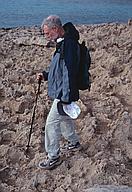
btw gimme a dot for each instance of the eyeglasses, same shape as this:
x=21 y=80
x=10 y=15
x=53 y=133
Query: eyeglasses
x=47 y=31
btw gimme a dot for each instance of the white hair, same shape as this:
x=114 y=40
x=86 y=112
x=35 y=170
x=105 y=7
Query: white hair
x=52 y=21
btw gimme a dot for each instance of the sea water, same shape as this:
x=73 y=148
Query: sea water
x=15 y=13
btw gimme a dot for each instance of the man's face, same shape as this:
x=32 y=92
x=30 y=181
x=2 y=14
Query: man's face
x=50 y=34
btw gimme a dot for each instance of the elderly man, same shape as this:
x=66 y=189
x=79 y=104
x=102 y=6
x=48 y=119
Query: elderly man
x=62 y=88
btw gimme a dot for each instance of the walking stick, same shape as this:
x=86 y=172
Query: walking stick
x=33 y=115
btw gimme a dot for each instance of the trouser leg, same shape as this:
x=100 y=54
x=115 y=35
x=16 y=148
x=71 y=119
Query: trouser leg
x=53 y=132
x=68 y=130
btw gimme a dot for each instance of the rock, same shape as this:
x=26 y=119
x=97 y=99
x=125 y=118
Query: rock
x=4 y=173
x=109 y=188
x=59 y=189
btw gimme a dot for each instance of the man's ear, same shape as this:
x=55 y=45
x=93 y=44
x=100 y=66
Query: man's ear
x=55 y=29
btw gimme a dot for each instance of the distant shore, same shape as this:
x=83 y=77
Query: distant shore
x=129 y=22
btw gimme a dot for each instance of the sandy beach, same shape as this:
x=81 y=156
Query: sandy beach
x=104 y=126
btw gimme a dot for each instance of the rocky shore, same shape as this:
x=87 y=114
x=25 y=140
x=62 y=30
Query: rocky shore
x=104 y=126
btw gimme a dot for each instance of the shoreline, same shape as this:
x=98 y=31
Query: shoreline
x=94 y=24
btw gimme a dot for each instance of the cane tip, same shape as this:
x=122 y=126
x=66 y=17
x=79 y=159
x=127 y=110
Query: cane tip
x=27 y=149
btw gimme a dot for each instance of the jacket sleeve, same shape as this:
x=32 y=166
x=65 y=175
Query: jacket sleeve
x=70 y=69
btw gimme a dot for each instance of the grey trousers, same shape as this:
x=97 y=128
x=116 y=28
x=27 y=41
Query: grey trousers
x=57 y=125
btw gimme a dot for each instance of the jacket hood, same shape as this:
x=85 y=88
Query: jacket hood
x=71 y=31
